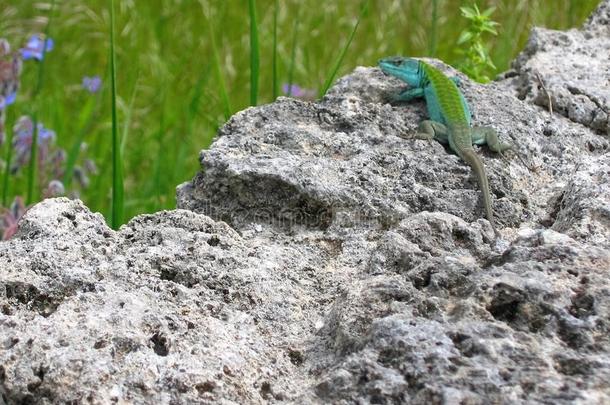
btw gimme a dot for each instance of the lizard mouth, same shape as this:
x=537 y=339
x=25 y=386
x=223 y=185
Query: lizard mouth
x=389 y=65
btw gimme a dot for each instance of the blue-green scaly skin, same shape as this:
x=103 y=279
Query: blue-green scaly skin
x=447 y=106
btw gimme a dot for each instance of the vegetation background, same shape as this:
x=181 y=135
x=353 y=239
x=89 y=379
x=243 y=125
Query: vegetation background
x=170 y=80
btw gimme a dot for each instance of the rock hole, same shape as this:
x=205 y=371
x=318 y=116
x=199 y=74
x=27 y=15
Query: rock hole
x=583 y=305
x=265 y=390
x=296 y=357
x=213 y=241
x=39 y=372
x=506 y=303
x=205 y=387
x=168 y=274
x=161 y=344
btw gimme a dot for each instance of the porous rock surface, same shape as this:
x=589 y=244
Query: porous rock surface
x=322 y=256
x=569 y=72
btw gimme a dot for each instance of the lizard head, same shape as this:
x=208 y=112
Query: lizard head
x=406 y=69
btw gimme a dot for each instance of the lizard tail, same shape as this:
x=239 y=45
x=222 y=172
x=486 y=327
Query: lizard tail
x=473 y=160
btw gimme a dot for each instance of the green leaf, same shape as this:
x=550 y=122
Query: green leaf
x=489 y=29
x=465 y=36
x=468 y=12
x=489 y=11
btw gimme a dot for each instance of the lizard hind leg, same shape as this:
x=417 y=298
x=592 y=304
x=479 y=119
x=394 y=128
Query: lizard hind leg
x=489 y=136
x=432 y=130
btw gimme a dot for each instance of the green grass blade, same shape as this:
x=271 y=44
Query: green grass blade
x=117 y=163
x=433 y=29
x=127 y=118
x=293 y=50
x=8 y=159
x=254 y=53
x=331 y=77
x=33 y=160
x=34 y=148
x=191 y=114
x=224 y=94
x=84 y=123
x=275 y=93
x=155 y=186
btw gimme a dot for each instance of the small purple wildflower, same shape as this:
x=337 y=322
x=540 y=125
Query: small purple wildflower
x=294 y=90
x=81 y=177
x=5 y=47
x=92 y=84
x=10 y=98
x=11 y=217
x=90 y=166
x=56 y=163
x=10 y=70
x=55 y=189
x=34 y=48
x=22 y=142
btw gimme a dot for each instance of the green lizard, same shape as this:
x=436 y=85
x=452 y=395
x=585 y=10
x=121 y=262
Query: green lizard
x=449 y=116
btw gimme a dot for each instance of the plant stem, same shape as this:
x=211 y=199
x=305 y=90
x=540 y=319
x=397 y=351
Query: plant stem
x=117 y=167
x=37 y=89
x=254 y=53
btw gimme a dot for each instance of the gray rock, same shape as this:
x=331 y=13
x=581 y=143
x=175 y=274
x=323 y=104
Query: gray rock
x=324 y=256
x=569 y=71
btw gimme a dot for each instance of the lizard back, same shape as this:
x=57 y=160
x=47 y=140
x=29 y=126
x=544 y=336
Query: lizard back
x=447 y=96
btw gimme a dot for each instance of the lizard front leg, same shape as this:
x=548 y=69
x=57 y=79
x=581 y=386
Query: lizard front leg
x=409 y=94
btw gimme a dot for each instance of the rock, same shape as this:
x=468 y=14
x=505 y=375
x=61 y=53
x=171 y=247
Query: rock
x=322 y=256
x=569 y=71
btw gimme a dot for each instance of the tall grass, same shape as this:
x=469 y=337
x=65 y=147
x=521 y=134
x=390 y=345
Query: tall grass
x=274 y=73
x=433 y=29
x=8 y=157
x=184 y=68
x=293 y=50
x=39 y=83
x=218 y=67
x=254 y=53
x=343 y=52
x=117 y=161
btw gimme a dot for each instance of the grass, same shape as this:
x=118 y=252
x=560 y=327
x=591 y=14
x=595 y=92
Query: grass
x=331 y=78
x=254 y=53
x=117 y=162
x=38 y=86
x=183 y=67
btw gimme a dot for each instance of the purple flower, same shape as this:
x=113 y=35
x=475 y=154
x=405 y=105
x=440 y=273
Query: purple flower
x=55 y=189
x=34 y=49
x=10 y=69
x=11 y=217
x=297 y=91
x=10 y=99
x=45 y=135
x=92 y=84
x=22 y=141
x=5 y=47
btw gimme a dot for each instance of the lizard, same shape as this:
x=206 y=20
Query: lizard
x=450 y=118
